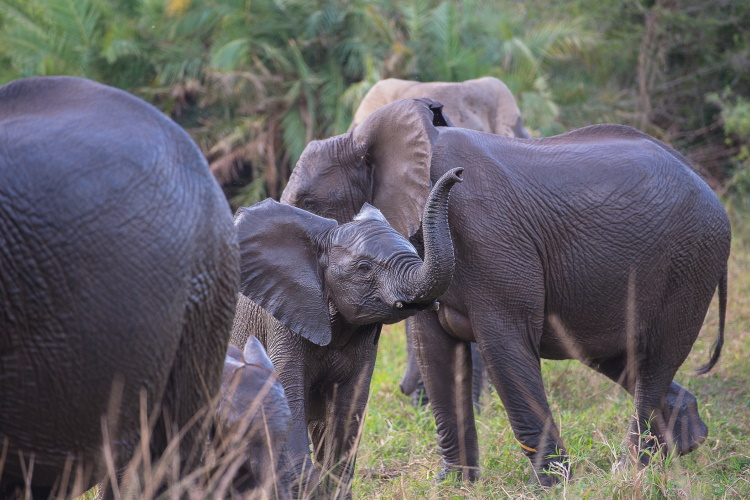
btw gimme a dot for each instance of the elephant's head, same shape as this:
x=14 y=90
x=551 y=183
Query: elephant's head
x=310 y=272
x=253 y=415
x=384 y=161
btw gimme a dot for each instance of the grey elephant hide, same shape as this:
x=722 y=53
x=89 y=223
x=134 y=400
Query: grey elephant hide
x=119 y=273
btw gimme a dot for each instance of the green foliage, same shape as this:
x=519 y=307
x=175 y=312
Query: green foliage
x=736 y=117
x=254 y=82
x=60 y=36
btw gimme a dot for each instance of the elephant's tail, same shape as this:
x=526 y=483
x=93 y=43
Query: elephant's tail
x=716 y=350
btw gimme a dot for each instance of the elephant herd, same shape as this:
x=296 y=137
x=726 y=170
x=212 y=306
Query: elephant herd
x=148 y=339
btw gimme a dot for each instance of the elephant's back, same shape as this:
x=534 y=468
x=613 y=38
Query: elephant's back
x=598 y=164
x=110 y=227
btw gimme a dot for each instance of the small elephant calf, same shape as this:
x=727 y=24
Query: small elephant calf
x=316 y=294
x=253 y=423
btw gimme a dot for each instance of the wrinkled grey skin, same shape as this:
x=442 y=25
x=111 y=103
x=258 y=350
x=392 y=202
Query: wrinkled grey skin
x=319 y=294
x=119 y=275
x=601 y=245
x=485 y=104
x=253 y=414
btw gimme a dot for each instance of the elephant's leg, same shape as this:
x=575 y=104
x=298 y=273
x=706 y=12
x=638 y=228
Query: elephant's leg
x=301 y=472
x=668 y=342
x=446 y=368
x=661 y=403
x=333 y=456
x=411 y=383
x=335 y=439
x=515 y=370
x=479 y=376
x=680 y=409
x=647 y=429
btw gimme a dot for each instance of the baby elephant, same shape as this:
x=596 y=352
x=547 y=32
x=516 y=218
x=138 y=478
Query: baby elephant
x=316 y=294
x=253 y=423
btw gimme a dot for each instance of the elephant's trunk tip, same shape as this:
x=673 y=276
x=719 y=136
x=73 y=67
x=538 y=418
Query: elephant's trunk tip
x=456 y=173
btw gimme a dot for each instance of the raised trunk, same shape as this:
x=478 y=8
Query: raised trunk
x=432 y=278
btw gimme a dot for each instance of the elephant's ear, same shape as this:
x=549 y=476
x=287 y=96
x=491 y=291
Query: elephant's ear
x=279 y=267
x=255 y=354
x=398 y=140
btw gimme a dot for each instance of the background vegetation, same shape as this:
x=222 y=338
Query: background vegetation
x=254 y=81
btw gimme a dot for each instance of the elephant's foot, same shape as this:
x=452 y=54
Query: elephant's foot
x=555 y=471
x=680 y=430
x=457 y=473
x=640 y=450
x=685 y=430
x=547 y=479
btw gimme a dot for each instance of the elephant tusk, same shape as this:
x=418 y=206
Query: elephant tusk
x=435 y=306
x=399 y=304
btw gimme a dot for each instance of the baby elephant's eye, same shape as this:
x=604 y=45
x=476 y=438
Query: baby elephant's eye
x=364 y=267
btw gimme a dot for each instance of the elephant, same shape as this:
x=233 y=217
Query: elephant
x=318 y=294
x=120 y=269
x=485 y=104
x=601 y=245
x=253 y=421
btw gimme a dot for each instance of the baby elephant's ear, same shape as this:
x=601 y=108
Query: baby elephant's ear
x=255 y=354
x=279 y=267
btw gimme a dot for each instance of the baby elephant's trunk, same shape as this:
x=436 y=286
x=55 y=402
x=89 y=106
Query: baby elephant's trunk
x=432 y=278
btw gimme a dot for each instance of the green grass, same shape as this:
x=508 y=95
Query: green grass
x=398 y=455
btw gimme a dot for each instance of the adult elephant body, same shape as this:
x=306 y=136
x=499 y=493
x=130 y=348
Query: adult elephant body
x=601 y=245
x=119 y=273
x=485 y=104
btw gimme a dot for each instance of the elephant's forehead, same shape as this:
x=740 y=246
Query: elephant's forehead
x=319 y=157
x=375 y=241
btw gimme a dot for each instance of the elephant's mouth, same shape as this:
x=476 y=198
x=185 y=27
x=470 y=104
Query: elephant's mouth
x=416 y=306
x=402 y=310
